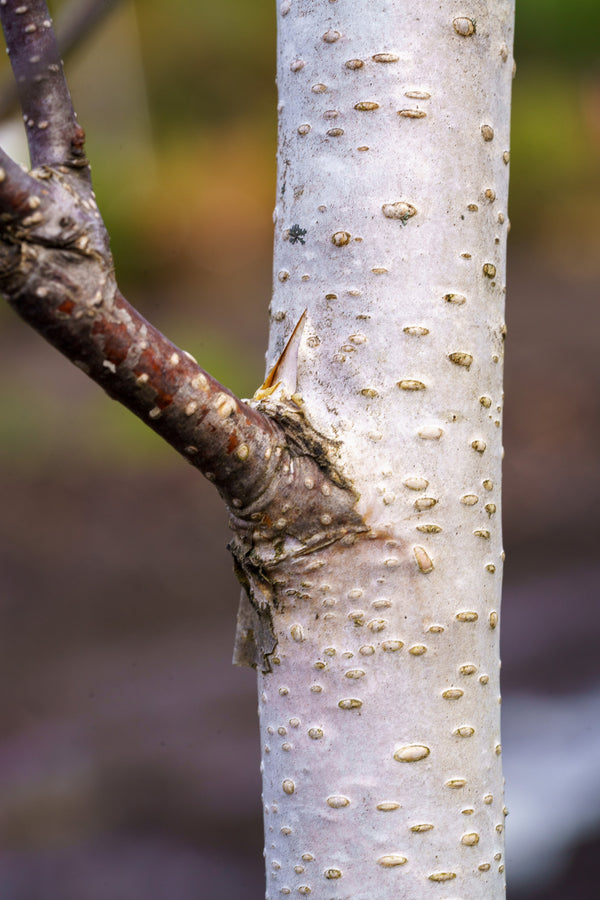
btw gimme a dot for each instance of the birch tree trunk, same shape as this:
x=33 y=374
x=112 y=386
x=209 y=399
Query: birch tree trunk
x=380 y=718
x=363 y=478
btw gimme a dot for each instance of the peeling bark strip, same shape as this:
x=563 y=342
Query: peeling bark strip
x=363 y=478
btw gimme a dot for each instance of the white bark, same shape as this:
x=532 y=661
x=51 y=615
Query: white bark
x=380 y=719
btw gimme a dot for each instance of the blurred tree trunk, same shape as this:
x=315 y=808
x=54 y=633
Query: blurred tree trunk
x=380 y=706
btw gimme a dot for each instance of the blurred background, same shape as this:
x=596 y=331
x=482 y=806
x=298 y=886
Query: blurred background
x=128 y=744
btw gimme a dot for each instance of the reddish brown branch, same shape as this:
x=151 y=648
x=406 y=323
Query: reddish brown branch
x=56 y=271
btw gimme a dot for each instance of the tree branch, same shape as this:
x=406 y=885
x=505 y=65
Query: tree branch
x=56 y=270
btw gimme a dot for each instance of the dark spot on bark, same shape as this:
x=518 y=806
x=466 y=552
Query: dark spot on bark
x=296 y=234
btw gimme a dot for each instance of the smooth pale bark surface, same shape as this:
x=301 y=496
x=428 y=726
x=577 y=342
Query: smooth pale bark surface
x=380 y=717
